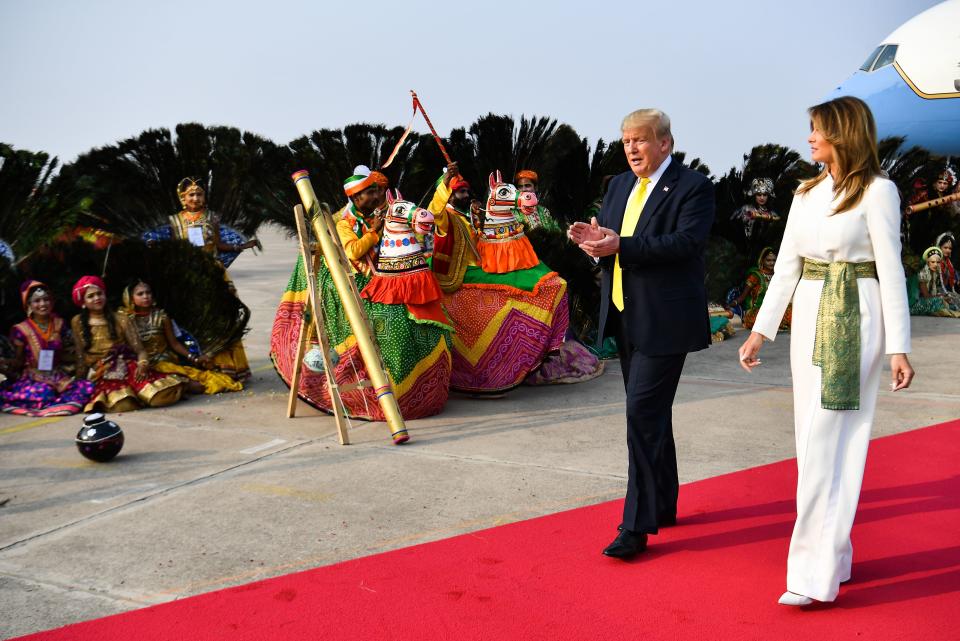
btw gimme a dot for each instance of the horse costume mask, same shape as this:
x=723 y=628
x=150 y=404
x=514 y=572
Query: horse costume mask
x=403 y=275
x=502 y=245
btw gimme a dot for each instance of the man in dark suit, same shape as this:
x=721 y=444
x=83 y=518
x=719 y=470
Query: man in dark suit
x=650 y=239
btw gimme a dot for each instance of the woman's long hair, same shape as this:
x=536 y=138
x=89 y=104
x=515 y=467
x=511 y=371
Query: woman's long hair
x=848 y=125
x=85 y=325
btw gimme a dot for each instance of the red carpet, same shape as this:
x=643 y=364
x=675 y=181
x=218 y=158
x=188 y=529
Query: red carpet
x=715 y=576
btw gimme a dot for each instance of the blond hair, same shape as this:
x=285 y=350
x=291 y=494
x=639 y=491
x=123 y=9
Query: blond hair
x=848 y=125
x=653 y=118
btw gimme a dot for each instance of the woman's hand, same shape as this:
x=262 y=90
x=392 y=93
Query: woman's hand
x=141 y=373
x=749 y=351
x=901 y=371
x=204 y=361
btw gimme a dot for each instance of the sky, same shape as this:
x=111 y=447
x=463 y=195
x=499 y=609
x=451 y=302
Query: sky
x=731 y=75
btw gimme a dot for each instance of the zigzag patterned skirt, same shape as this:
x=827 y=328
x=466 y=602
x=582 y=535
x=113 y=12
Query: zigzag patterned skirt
x=505 y=324
x=416 y=353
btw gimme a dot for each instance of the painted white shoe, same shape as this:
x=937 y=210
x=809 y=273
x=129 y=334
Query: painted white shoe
x=789 y=598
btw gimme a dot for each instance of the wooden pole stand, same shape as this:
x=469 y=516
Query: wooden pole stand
x=313 y=309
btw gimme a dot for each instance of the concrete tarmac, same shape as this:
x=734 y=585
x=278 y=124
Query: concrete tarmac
x=220 y=491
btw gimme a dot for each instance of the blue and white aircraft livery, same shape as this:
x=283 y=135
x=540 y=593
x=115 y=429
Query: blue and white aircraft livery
x=912 y=81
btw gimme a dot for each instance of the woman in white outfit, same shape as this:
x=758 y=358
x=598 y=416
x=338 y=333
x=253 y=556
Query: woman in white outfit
x=840 y=264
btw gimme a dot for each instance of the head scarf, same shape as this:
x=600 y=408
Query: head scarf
x=458 y=182
x=128 y=305
x=27 y=288
x=944 y=237
x=83 y=284
x=930 y=251
x=763 y=254
x=527 y=173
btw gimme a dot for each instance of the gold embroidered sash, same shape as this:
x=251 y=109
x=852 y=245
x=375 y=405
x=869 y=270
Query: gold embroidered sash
x=836 y=347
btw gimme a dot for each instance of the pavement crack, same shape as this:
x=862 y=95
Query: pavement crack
x=159 y=493
x=125 y=601
x=411 y=451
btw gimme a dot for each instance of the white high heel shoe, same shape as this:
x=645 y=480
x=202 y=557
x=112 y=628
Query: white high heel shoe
x=790 y=598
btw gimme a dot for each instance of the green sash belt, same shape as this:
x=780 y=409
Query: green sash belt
x=836 y=347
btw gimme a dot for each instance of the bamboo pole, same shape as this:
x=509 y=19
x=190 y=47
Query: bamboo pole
x=308 y=330
x=350 y=299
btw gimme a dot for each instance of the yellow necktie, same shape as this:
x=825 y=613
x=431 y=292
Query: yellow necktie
x=630 y=218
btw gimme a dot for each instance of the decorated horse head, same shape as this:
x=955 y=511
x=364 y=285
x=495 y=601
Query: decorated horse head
x=499 y=221
x=402 y=275
x=400 y=250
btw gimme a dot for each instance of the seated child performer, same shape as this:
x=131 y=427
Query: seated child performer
x=42 y=387
x=111 y=355
x=163 y=349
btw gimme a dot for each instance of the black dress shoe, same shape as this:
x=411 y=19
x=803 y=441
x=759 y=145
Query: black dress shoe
x=627 y=545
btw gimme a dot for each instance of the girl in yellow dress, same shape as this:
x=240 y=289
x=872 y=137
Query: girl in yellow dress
x=163 y=349
x=111 y=355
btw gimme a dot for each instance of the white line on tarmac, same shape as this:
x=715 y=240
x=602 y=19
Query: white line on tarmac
x=263 y=446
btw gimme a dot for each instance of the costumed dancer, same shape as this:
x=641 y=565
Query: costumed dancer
x=164 y=350
x=43 y=387
x=401 y=299
x=755 y=287
x=527 y=181
x=201 y=228
x=573 y=362
x=762 y=191
x=509 y=310
x=454 y=238
x=925 y=289
x=109 y=351
x=923 y=224
x=948 y=273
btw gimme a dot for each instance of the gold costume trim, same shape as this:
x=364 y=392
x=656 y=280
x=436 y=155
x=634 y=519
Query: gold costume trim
x=837 y=342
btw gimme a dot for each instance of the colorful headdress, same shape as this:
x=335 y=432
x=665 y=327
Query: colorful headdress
x=27 y=288
x=83 y=284
x=930 y=251
x=357 y=183
x=186 y=185
x=949 y=175
x=944 y=237
x=458 y=182
x=761 y=186
x=528 y=174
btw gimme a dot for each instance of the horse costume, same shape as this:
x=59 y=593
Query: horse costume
x=402 y=301
x=511 y=310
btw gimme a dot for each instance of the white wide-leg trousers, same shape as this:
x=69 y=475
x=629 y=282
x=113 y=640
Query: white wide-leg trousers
x=831 y=447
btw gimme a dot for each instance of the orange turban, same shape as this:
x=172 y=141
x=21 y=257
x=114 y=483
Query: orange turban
x=458 y=182
x=527 y=173
x=380 y=179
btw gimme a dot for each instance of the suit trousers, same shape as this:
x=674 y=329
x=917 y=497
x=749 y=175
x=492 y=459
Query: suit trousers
x=652 y=482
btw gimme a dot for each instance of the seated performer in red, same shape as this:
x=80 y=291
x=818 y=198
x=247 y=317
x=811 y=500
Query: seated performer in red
x=42 y=387
x=111 y=355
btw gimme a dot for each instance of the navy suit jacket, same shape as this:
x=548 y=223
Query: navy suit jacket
x=665 y=298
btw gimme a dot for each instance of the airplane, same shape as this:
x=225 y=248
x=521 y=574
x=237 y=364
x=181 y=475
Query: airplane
x=912 y=81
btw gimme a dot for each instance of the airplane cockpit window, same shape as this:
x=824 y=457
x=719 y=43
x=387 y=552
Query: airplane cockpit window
x=871 y=58
x=886 y=57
